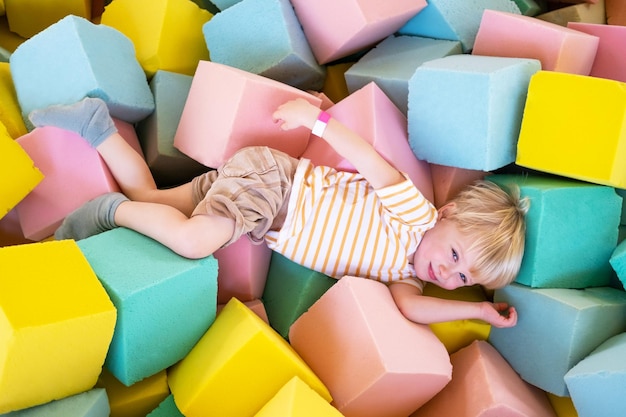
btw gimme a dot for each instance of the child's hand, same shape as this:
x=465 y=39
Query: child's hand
x=499 y=314
x=296 y=113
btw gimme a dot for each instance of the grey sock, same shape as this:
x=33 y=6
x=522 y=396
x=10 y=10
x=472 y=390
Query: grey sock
x=93 y=217
x=89 y=118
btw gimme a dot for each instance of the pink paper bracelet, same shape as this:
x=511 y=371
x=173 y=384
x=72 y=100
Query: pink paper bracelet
x=320 y=124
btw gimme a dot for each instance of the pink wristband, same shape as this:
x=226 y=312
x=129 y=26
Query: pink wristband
x=320 y=124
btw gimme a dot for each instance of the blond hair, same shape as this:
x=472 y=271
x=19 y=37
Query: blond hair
x=494 y=221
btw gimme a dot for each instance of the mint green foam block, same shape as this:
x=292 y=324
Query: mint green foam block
x=92 y=403
x=466 y=111
x=165 y=302
x=618 y=262
x=556 y=329
x=571 y=231
x=597 y=384
x=167 y=408
x=290 y=289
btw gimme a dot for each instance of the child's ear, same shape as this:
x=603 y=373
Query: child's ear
x=445 y=210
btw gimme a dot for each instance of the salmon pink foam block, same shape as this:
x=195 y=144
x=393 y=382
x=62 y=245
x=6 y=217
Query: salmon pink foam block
x=165 y=302
x=557 y=47
x=395 y=366
x=465 y=110
x=610 y=59
x=338 y=29
x=503 y=393
x=228 y=109
x=75 y=58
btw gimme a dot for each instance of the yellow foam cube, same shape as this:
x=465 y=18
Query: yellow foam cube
x=10 y=113
x=9 y=41
x=575 y=126
x=56 y=324
x=335 y=87
x=29 y=17
x=237 y=367
x=138 y=399
x=297 y=399
x=563 y=406
x=458 y=334
x=161 y=41
x=18 y=174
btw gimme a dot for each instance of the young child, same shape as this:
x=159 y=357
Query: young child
x=375 y=224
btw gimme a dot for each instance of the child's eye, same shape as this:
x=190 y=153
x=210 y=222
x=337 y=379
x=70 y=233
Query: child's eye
x=455 y=255
x=463 y=278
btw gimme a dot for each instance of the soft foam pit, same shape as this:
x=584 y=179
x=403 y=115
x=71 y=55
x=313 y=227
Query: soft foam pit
x=371 y=114
x=240 y=353
x=502 y=393
x=56 y=324
x=297 y=399
x=573 y=126
x=18 y=173
x=73 y=173
x=137 y=400
x=543 y=347
x=92 y=403
x=154 y=27
x=338 y=29
x=75 y=58
x=597 y=383
x=160 y=296
x=272 y=37
x=558 y=48
x=383 y=377
x=610 y=59
x=555 y=255
x=228 y=109
x=28 y=17
x=10 y=114
x=477 y=98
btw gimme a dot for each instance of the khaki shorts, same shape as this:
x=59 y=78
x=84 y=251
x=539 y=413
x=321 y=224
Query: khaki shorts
x=252 y=188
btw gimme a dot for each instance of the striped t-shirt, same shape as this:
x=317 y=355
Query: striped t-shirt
x=339 y=225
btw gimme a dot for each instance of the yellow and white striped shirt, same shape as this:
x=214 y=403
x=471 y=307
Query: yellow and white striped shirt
x=339 y=225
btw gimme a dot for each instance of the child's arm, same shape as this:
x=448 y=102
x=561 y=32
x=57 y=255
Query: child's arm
x=367 y=161
x=423 y=309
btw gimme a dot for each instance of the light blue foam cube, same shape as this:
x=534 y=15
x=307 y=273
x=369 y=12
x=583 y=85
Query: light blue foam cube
x=465 y=111
x=75 y=58
x=556 y=329
x=92 y=403
x=264 y=37
x=165 y=302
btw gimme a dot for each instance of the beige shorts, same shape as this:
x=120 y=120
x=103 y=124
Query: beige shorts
x=252 y=188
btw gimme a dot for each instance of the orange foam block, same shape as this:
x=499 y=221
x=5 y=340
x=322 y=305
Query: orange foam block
x=558 y=48
x=297 y=399
x=374 y=361
x=370 y=113
x=56 y=324
x=338 y=29
x=615 y=12
x=484 y=384
x=610 y=61
x=574 y=126
x=228 y=109
x=237 y=367
x=28 y=17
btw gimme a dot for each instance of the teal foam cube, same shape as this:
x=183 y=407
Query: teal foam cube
x=167 y=408
x=165 y=302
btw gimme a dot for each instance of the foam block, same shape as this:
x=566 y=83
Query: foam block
x=297 y=399
x=92 y=403
x=156 y=31
x=480 y=368
x=335 y=86
x=168 y=165
x=167 y=408
x=448 y=181
x=28 y=17
x=75 y=58
x=240 y=353
x=444 y=19
x=529 y=7
x=371 y=114
x=465 y=110
x=272 y=37
x=54 y=315
x=336 y=30
x=543 y=347
x=615 y=12
x=18 y=173
x=60 y=155
x=596 y=383
x=376 y=381
x=618 y=261
x=392 y=63
x=11 y=231
x=137 y=400
x=610 y=59
x=160 y=296
x=561 y=211
x=256 y=306
x=562 y=112
x=290 y=290
x=583 y=12
x=228 y=109
x=557 y=47
x=10 y=116
x=563 y=406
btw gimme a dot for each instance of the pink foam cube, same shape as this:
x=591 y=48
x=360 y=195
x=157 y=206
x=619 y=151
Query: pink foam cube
x=372 y=359
x=610 y=61
x=338 y=29
x=370 y=113
x=557 y=47
x=228 y=109
x=448 y=181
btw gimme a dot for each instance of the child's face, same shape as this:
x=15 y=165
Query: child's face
x=442 y=257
